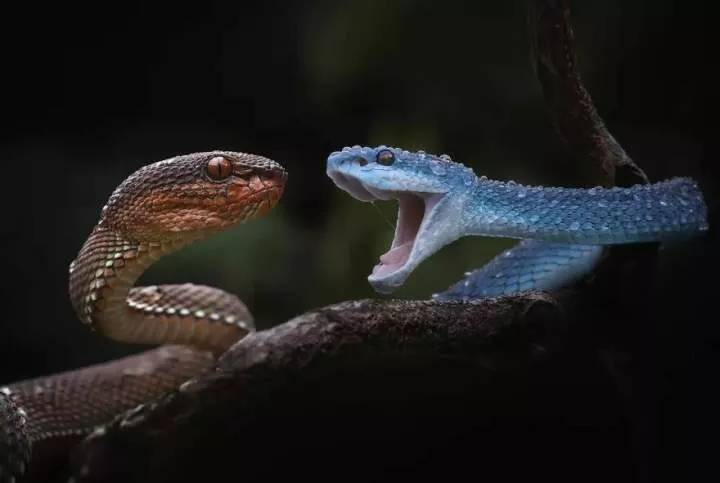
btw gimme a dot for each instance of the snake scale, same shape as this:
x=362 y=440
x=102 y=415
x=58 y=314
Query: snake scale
x=157 y=210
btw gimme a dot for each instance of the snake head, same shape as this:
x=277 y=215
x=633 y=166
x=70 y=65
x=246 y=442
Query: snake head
x=430 y=191
x=193 y=194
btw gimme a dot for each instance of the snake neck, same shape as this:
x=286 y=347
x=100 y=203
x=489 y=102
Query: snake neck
x=104 y=272
x=102 y=291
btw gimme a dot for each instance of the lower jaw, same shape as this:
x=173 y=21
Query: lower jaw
x=386 y=284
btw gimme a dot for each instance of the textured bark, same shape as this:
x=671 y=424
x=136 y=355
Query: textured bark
x=573 y=112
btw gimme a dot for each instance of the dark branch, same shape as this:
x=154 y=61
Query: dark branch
x=332 y=377
x=572 y=109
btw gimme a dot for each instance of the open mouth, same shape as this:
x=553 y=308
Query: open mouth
x=412 y=210
x=411 y=213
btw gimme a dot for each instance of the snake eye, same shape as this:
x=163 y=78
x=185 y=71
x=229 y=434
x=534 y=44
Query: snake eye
x=219 y=168
x=385 y=157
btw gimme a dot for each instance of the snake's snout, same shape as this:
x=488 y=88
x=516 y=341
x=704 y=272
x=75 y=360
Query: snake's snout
x=254 y=192
x=271 y=183
x=265 y=176
x=278 y=175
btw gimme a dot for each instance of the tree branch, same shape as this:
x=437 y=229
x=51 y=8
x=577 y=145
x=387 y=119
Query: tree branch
x=574 y=115
x=318 y=379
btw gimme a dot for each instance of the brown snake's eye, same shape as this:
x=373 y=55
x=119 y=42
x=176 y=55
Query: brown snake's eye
x=385 y=157
x=219 y=168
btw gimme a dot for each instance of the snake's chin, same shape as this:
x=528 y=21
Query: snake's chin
x=414 y=209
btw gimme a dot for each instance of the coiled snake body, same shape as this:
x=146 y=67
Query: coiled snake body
x=157 y=210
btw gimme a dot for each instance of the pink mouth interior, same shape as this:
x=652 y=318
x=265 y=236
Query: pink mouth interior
x=412 y=208
x=411 y=212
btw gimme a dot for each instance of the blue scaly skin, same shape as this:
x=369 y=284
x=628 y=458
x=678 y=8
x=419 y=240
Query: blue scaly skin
x=563 y=230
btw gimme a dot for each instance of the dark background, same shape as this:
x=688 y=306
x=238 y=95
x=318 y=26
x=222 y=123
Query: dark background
x=92 y=93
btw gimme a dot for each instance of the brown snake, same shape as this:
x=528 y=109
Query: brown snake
x=159 y=209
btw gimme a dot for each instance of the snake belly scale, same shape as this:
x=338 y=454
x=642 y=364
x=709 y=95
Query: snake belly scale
x=157 y=210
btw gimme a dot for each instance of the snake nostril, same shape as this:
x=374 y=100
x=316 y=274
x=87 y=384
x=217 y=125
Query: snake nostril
x=362 y=161
x=276 y=175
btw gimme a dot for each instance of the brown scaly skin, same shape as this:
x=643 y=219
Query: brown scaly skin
x=157 y=210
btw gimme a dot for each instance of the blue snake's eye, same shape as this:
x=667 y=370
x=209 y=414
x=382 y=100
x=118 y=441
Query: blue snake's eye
x=385 y=157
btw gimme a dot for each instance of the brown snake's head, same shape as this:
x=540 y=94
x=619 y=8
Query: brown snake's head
x=193 y=194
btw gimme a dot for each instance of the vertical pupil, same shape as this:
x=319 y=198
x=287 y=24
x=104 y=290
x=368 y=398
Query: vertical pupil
x=219 y=168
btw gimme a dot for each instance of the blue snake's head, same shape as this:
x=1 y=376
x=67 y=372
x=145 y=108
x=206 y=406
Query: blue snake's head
x=431 y=192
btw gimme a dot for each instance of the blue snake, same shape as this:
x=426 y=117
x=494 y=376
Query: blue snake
x=562 y=230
